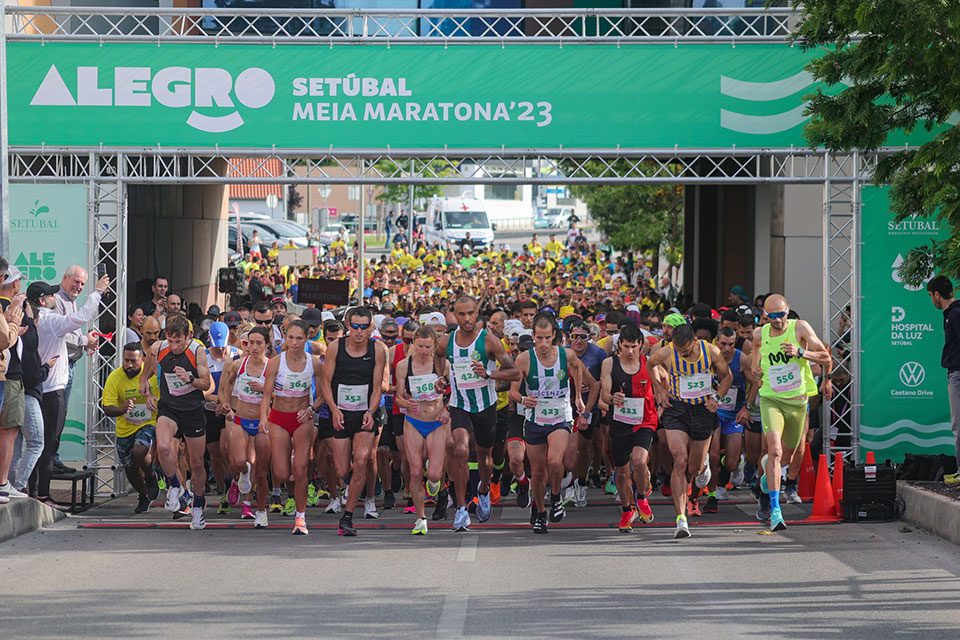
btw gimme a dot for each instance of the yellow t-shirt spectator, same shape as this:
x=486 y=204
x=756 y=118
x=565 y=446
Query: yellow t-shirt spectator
x=118 y=389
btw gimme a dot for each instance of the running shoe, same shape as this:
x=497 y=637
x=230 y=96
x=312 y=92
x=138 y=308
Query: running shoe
x=276 y=505
x=704 y=478
x=246 y=512
x=433 y=488
x=461 y=520
x=322 y=492
x=627 y=518
x=722 y=493
x=951 y=479
x=370 y=508
x=683 y=530
x=300 y=527
x=143 y=505
x=597 y=480
x=389 y=500
x=763 y=507
x=693 y=508
x=186 y=504
x=396 y=479
x=556 y=511
x=334 y=506
x=611 y=487
x=711 y=506
x=665 y=489
x=506 y=484
x=198 y=522
x=290 y=507
x=570 y=494
x=494 y=493
x=173 y=499
x=523 y=495
x=776 y=520
x=736 y=478
x=420 y=527
x=153 y=487
x=790 y=494
x=346 y=528
x=233 y=493
x=644 y=511
x=245 y=486
x=440 y=510
x=224 y=507
x=313 y=498
x=483 y=507
x=540 y=522
x=581 y=492
x=260 y=521
x=161 y=483
x=472 y=505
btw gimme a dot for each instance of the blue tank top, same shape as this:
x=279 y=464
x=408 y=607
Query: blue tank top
x=592 y=359
x=739 y=385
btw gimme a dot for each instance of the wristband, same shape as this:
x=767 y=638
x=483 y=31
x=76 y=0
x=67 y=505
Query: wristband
x=800 y=352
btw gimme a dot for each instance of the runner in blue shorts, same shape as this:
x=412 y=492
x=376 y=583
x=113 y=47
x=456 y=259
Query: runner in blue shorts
x=731 y=431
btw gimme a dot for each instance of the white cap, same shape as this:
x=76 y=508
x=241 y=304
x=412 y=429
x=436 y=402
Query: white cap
x=327 y=315
x=377 y=319
x=512 y=327
x=435 y=318
x=13 y=274
x=633 y=307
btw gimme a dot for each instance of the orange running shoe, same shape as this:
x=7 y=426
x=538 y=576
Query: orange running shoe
x=494 y=493
x=693 y=508
x=644 y=510
x=626 y=520
x=300 y=527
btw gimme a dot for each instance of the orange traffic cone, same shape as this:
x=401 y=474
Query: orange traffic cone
x=808 y=477
x=824 y=505
x=870 y=458
x=838 y=483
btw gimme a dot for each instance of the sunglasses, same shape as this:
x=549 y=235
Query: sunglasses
x=579 y=336
x=360 y=327
x=391 y=338
x=776 y=315
x=264 y=321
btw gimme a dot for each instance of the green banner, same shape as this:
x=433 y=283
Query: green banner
x=904 y=389
x=295 y=96
x=48 y=233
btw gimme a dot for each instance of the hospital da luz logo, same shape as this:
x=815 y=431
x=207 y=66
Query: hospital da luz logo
x=200 y=88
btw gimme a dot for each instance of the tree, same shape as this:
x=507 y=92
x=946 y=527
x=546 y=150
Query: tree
x=400 y=193
x=901 y=75
x=294 y=200
x=638 y=216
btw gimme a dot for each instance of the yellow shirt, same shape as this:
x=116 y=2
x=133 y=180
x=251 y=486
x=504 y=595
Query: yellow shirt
x=503 y=399
x=337 y=244
x=554 y=247
x=536 y=249
x=117 y=390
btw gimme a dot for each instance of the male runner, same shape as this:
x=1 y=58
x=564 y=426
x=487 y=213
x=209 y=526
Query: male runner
x=219 y=354
x=730 y=438
x=784 y=350
x=351 y=386
x=182 y=372
x=690 y=404
x=473 y=354
x=592 y=357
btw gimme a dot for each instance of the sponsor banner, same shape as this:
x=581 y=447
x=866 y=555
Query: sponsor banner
x=904 y=389
x=48 y=233
x=482 y=96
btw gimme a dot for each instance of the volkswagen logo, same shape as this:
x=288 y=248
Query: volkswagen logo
x=912 y=374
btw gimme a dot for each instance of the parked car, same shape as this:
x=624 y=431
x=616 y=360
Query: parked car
x=351 y=221
x=285 y=230
x=267 y=238
x=558 y=218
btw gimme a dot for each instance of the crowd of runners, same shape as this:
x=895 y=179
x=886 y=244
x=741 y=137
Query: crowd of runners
x=465 y=381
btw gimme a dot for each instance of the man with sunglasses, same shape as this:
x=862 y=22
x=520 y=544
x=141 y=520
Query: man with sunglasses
x=592 y=358
x=784 y=350
x=395 y=354
x=388 y=450
x=352 y=386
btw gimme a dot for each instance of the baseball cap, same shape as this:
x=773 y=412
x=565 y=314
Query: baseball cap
x=214 y=310
x=434 y=318
x=565 y=311
x=674 y=320
x=218 y=334
x=512 y=327
x=312 y=316
x=13 y=274
x=36 y=290
x=633 y=307
x=525 y=342
x=277 y=300
x=232 y=319
x=739 y=291
x=327 y=315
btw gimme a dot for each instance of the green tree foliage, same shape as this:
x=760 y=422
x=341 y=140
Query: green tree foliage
x=400 y=193
x=903 y=73
x=640 y=217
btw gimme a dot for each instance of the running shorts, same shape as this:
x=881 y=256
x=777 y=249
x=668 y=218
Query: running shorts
x=692 y=419
x=623 y=439
x=482 y=425
x=191 y=423
x=786 y=417
x=535 y=434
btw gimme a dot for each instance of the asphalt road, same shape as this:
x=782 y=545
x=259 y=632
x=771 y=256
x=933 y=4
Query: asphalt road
x=584 y=580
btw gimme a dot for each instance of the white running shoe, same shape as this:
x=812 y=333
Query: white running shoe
x=334 y=506
x=721 y=493
x=581 y=495
x=245 y=485
x=736 y=478
x=260 y=520
x=370 y=508
x=683 y=531
x=570 y=495
x=704 y=478
x=198 y=522
x=173 y=499
x=420 y=527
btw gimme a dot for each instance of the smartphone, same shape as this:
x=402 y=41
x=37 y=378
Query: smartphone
x=101 y=270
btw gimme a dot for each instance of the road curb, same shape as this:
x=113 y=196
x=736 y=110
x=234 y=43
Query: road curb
x=23 y=515
x=931 y=511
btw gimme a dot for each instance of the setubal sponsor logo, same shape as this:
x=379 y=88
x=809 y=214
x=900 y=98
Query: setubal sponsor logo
x=173 y=87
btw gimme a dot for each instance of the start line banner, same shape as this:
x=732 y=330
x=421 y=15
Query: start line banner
x=410 y=96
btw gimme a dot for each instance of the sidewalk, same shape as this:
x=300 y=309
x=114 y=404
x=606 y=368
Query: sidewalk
x=929 y=510
x=23 y=515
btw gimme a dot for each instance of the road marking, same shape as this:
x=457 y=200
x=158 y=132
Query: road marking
x=453 y=616
x=468 y=549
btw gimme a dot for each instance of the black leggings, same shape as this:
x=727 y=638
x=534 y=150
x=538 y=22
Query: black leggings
x=53 y=406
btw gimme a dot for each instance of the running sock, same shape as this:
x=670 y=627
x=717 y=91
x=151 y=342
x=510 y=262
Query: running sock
x=276 y=492
x=348 y=514
x=554 y=498
x=627 y=508
x=497 y=472
x=523 y=479
x=173 y=481
x=774 y=499
x=474 y=475
x=711 y=494
x=299 y=514
x=387 y=492
x=199 y=501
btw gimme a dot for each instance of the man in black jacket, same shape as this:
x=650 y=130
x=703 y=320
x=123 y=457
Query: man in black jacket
x=941 y=294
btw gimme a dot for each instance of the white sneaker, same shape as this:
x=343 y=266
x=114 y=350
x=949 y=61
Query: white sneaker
x=581 y=496
x=420 y=527
x=736 y=478
x=4 y=498
x=245 y=485
x=260 y=520
x=567 y=480
x=11 y=492
x=370 y=508
x=173 y=499
x=334 y=506
x=704 y=478
x=198 y=522
x=721 y=493
x=569 y=495
x=683 y=530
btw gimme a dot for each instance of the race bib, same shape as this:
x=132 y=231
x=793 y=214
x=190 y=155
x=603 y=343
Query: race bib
x=729 y=401
x=465 y=377
x=785 y=378
x=176 y=386
x=696 y=386
x=630 y=412
x=549 y=410
x=353 y=397
x=138 y=414
x=424 y=387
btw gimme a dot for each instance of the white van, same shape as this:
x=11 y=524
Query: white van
x=449 y=220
